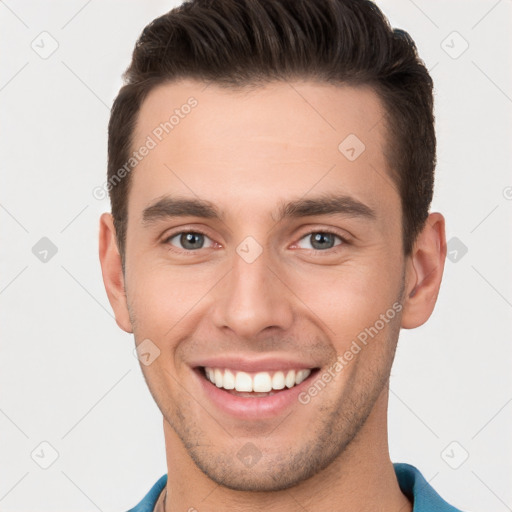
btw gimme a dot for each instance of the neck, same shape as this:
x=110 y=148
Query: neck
x=361 y=479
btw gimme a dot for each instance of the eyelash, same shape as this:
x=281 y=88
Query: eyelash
x=344 y=240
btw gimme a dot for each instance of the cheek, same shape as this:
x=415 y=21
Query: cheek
x=348 y=298
x=163 y=293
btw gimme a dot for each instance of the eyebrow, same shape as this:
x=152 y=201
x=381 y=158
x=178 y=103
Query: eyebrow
x=178 y=207
x=326 y=204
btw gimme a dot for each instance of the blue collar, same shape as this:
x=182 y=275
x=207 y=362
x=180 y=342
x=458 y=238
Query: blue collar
x=423 y=496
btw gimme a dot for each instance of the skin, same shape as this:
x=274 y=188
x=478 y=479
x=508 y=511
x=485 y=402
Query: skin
x=247 y=152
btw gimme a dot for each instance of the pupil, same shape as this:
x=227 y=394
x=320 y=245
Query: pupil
x=192 y=240
x=321 y=238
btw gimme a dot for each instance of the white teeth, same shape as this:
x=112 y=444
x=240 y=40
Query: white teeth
x=290 y=379
x=218 y=377
x=278 y=380
x=301 y=375
x=229 y=380
x=243 y=382
x=261 y=382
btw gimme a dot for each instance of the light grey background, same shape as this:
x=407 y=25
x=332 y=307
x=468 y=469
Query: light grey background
x=68 y=376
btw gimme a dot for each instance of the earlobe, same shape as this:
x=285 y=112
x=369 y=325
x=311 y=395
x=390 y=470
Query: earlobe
x=112 y=271
x=424 y=272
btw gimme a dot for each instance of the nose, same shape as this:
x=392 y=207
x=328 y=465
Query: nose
x=253 y=298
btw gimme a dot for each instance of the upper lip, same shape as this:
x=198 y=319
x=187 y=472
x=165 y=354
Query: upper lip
x=252 y=364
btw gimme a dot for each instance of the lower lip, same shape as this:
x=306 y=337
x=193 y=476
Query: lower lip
x=252 y=408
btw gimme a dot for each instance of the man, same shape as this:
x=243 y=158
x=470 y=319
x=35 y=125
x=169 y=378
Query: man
x=271 y=168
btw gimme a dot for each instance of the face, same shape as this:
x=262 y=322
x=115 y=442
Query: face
x=263 y=255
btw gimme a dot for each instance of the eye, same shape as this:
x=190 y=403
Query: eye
x=319 y=240
x=189 y=240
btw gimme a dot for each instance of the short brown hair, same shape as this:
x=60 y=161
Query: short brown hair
x=240 y=43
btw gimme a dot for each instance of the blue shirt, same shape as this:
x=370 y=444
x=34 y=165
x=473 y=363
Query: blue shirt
x=412 y=483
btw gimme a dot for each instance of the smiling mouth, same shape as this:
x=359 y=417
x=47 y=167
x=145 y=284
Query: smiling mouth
x=255 y=385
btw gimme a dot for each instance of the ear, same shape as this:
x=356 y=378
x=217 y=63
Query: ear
x=424 y=272
x=112 y=271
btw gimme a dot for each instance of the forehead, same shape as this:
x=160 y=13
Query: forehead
x=328 y=110
x=278 y=139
